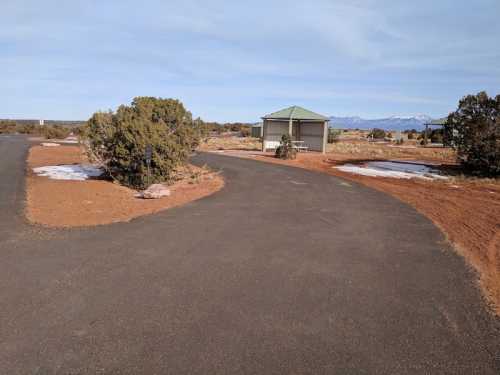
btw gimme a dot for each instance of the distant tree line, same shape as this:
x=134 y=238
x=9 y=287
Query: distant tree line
x=54 y=130
x=244 y=129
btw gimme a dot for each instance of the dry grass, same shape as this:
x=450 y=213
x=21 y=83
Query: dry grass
x=372 y=150
x=231 y=143
x=354 y=135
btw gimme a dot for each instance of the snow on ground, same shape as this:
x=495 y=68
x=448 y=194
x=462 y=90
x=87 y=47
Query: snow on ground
x=393 y=169
x=70 y=139
x=401 y=146
x=78 y=172
x=49 y=144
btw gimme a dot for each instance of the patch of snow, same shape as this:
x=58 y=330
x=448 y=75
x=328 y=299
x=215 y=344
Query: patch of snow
x=392 y=169
x=77 y=172
x=418 y=117
x=69 y=139
x=401 y=146
x=48 y=144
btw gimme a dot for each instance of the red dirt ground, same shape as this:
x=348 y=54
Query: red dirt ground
x=59 y=203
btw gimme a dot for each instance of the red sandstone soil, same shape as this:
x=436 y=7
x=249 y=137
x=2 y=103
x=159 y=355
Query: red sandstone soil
x=59 y=203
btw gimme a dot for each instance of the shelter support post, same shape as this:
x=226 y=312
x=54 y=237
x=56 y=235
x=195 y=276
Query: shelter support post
x=325 y=137
x=264 y=130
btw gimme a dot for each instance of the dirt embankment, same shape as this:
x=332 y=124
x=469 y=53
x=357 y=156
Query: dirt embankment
x=60 y=203
x=466 y=210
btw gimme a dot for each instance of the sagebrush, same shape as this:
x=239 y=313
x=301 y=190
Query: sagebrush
x=377 y=133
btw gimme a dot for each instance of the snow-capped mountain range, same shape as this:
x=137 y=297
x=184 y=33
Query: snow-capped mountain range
x=389 y=123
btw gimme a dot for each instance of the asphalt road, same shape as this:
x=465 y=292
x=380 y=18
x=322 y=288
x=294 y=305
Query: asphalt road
x=284 y=271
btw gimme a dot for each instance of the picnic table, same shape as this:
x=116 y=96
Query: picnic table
x=300 y=146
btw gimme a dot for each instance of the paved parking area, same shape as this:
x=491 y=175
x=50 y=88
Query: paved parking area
x=283 y=271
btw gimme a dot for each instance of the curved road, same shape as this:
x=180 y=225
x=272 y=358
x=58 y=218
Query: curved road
x=284 y=271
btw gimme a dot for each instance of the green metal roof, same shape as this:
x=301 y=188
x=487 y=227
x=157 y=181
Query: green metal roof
x=295 y=113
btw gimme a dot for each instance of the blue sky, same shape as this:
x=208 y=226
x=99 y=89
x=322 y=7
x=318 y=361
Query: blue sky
x=238 y=60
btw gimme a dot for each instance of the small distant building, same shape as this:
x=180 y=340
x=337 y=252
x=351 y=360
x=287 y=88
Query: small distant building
x=441 y=122
x=307 y=127
x=257 y=130
x=41 y=122
x=398 y=136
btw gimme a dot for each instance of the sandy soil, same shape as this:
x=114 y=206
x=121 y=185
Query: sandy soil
x=58 y=203
x=466 y=210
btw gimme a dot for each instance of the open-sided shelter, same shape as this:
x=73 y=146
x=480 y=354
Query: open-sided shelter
x=304 y=126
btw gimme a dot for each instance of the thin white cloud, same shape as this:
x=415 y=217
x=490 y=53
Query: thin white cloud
x=362 y=55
